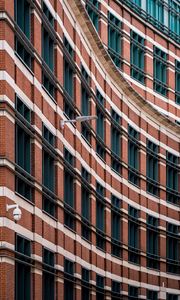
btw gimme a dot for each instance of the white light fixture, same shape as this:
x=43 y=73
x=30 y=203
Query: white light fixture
x=77 y=119
x=16 y=212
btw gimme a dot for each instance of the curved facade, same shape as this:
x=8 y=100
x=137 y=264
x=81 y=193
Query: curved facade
x=99 y=199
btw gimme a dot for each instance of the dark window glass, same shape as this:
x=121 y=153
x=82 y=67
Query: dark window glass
x=177 y=74
x=85 y=290
x=69 y=280
x=132 y=292
x=172 y=249
x=22 y=269
x=47 y=49
x=48 y=275
x=99 y=287
x=172 y=178
x=92 y=7
x=133 y=235
x=160 y=71
x=133 y=155
x=152 y=168
x=114 y=39
x=152 y=242
x=137 y=57
x=22 y=16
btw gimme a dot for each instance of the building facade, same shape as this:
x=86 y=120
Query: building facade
x=99 y=199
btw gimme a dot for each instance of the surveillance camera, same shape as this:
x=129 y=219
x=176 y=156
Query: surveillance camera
x=17 y=214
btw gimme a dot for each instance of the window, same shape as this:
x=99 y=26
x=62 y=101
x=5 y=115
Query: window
x=48 y=14
x=22 y=269
x=152 y=241
x=133 y=155
x=22 y=16
x=23 y=53
x=92 y=7
x=68 y=280
x=172 y=249
x=132 y=292
x=137 y=2
x=152 y=168
x=23 y=150
x=114 y=39
x=85 y=204
x=47 y=49
x=172 y=170
x=177 y=85
x=69 y=189
x=68 y=79
x=85 y=290
x=115 y=226
x=160 y=71
x=174 y=18
x=133 y=235
x=100 y=146
x=172 y=297
x=115 y=142
x=48 y=84
x=100 y=215
x=48 y=171
x=155 y=11
x=99 y=287
x=85 y=107
x=152 y=295
x=48 y=275
x=115 y=290
x=137 y=57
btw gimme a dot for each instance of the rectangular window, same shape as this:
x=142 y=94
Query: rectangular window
x=152 y=241
x=85 y=290
x=155 y=12
x=152 y=168
x=133 y=155
x=92 y=7
x=160 y=71
x=85 y=204
x=47 y=49
x=99 y=287
x=177 y=84
x=172 y=178
x=115 y=142
x=48 y=171
x=23 y=150
x=132 y=292
x=68 y=79
x=85 y=107
x=48 y=14
x=115 y=226
x=49 y=205
x=22 y=269
x=68 y=280
x=172 y=249
x=48 y=136
x=100 y=215
x=23 y=53
x=133 y=235
x=115 y=288
x=174 y=19
x=172 y=297
x=114 y=39
x=152 y=295
x=48 y=84
x=22 y=16
x=100 y=146
x=69 y=189
x=137 y=57
x=48 y=275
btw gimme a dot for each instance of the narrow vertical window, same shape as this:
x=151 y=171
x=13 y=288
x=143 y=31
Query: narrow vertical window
x=92 y=7
x=48 y=275
x=85 y=204
x=100 y=217
x=22 y=16
x=99 y=287
x=132 y=292
x=174 y=18
x=115 y=290
x=68 y=280
x=137 y=57
x=172 y=178
x=152 y=295
x=22 y=269
x=115 y=142
x=177 y=84
x=114 y=39
x=23 y=150
x=133 y=235
x=152 y=168
x=115 y=226
x=69 y=189
x=133 y=156
x=85 y=105
x=85 y=290
x=160 y=71
x=100 y=124
x=152 y=242
x=172 y=249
